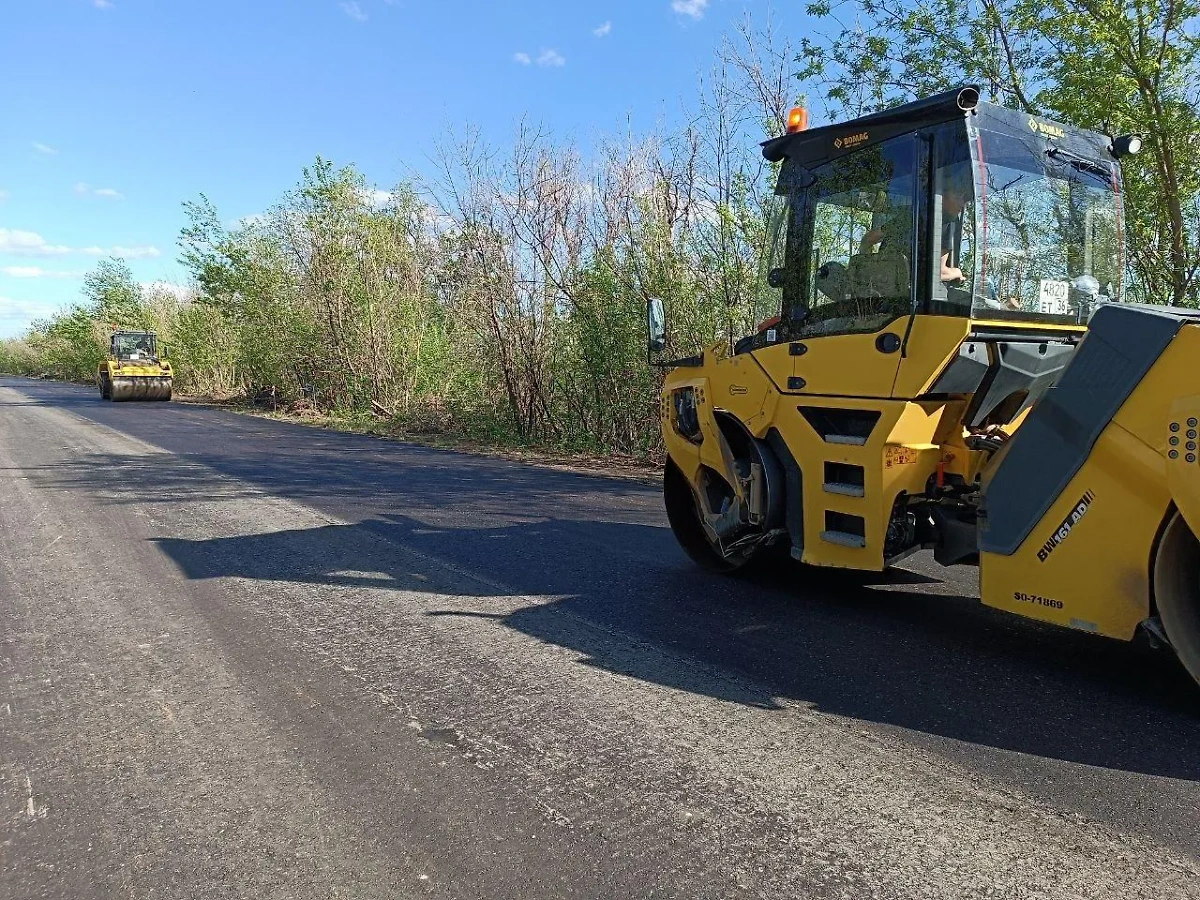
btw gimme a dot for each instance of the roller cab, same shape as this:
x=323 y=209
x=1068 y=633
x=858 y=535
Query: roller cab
x=949 y=364
x=134 y=369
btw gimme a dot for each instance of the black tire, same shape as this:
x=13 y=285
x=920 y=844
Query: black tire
x=1177 y=591
x=105 y=388
x=684 y=515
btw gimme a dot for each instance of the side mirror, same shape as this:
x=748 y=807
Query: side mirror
x=656 y=326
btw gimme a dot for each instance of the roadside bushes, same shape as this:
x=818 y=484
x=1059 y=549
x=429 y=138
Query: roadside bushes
x=500 y=298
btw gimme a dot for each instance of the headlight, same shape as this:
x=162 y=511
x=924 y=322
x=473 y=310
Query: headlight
x=1126 y=145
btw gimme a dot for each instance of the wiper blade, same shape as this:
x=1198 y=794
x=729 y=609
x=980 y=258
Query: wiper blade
x=1095 y=166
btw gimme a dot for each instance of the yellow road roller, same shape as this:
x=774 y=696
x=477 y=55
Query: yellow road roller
x=949 y=364
x=134 y=370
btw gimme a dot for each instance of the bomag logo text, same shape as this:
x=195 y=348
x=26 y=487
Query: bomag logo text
x=851 y=140
x=1045 y=128
x=1064 y=529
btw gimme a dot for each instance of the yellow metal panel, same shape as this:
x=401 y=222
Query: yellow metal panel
x=1086 y=565
x=1146 y=412
x=897 y=457
x=850 y=365
x=844 y=365
x=1183 y=469
x=1040 y=327
x=740 y=386
x=133 y=371
x=736 y=385
x=932 y=345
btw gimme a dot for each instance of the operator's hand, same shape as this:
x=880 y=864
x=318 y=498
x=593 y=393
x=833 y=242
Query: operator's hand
x=870 y=239
x=952 y=275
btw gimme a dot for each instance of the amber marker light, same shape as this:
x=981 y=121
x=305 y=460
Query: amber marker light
x=797 y=120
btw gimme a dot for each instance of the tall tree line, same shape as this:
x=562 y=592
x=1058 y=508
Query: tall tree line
x=503 y=297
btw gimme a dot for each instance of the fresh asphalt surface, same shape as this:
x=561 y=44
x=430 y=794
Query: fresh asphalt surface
x=241 y=658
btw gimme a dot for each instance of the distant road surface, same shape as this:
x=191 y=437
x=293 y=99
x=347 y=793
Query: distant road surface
x=247 y=659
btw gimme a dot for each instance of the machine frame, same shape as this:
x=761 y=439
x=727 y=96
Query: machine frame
x=1016 y=415
x=134 y=370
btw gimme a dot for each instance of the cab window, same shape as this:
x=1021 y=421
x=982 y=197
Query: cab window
x=860 y=240
x=952 y=222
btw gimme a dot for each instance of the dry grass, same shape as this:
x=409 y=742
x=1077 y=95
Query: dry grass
x=647 y=471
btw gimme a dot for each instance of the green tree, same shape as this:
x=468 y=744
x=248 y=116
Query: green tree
x=112 y=295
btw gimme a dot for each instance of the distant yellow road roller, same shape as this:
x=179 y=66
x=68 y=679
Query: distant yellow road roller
x=134 y=370
x=949 y=363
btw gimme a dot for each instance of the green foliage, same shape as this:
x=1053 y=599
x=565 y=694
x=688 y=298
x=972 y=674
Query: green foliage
x=71 y=344
x=112 y=295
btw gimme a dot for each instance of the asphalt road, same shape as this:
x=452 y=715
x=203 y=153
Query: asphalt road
x=241 y=658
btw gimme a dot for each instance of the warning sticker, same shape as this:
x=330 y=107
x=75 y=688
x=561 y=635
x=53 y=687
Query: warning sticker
x=898 y=456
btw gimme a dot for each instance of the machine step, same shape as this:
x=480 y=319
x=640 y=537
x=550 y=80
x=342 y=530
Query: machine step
x=846 y=490
x=844 y=538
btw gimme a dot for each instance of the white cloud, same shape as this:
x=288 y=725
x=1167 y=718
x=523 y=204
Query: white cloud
x=102 y=4
x=44 y=148
x=16 y=242
x=182 y=292
x=693 y=8
x=375 y=197
x=85 y=190
x=16 y=315
x=36 y=272
x=353 y=10
x=140 y=252
x=603 y=30
x=28 y=243
x=545 y=58
x=3 y=196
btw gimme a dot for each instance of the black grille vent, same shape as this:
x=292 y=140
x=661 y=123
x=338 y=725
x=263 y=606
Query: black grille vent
x=841 y=426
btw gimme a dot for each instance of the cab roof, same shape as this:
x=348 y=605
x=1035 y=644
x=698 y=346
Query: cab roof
x=819 y=145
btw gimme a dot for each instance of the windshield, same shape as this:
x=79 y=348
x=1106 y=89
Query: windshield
x=133 y=346
x=1049 y=227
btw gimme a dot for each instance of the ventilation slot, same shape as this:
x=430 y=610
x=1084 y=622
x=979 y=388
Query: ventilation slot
x=841 y=426
x=844 y=479
x=846 y=530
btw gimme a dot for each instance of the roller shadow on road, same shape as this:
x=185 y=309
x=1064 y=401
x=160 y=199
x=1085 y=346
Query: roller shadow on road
x=879 y=652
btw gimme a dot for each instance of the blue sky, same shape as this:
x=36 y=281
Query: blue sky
x=116 y=111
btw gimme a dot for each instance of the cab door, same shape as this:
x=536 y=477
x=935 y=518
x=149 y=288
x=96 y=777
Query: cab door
x=851 y=251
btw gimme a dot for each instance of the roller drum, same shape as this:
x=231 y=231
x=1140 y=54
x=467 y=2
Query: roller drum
x=1177 y=591
x=141 y=387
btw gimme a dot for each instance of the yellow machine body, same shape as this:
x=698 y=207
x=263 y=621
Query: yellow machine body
x=134 y=369
x=1089 y=562
x=1053 y=443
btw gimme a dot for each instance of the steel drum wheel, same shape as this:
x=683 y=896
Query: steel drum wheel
x=1177 y=591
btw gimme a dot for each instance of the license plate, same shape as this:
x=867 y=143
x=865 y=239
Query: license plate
x=1052 y=297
